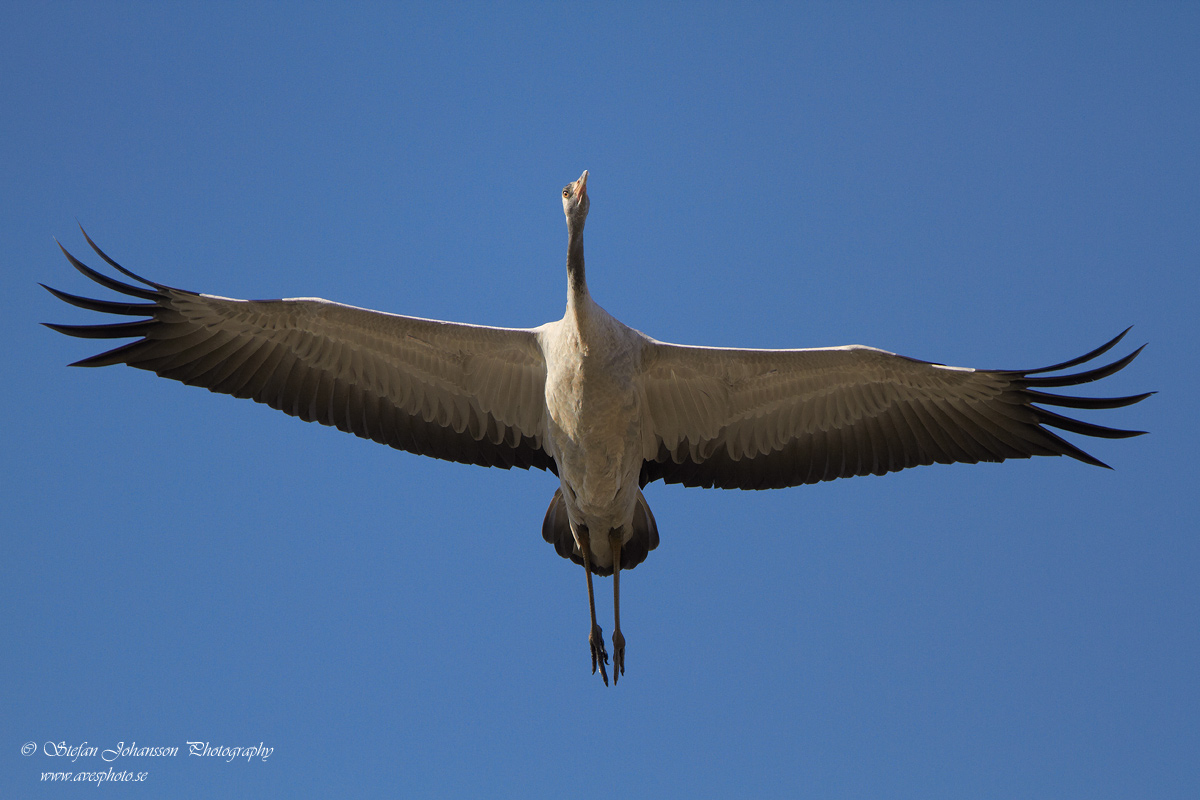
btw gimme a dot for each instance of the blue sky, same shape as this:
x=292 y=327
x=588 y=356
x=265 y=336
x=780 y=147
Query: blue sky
x=1003 y=186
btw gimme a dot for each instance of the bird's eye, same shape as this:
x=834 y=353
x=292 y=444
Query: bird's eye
x=567 y=191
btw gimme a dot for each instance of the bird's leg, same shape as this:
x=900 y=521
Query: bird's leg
x=618 y=662
x=595 y=636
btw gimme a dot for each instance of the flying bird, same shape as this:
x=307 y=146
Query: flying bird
x=604 y=407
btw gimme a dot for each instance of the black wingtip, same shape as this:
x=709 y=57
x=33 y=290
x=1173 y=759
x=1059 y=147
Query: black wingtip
x=111 y=330
x=106 y=306
x=1046 y=417
x=118 y=355
x=1083 y=377
x=104 y=280
x=1077 y=453
x=114 y=264
x=1086 y=357
x=1068 y=401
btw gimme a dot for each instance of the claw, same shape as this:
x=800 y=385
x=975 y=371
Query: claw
x=599 y=656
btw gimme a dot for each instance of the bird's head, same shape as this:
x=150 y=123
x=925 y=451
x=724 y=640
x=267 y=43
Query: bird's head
x=575 y=201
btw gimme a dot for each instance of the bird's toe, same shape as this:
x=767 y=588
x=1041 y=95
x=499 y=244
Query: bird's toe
x=599 y=655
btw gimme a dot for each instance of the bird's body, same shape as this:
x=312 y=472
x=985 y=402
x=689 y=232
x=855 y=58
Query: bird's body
x=593 y=420
x=605 y=407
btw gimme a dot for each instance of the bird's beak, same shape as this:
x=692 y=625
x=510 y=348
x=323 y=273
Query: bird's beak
x=581 y=185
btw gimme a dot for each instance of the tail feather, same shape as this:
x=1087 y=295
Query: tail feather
x=556 y=529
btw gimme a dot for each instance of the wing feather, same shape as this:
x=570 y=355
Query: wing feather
x=459 y=392
x=757 y=419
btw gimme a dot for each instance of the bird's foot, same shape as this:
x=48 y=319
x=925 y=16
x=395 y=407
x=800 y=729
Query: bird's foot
x=618 y=662
x=599 y=656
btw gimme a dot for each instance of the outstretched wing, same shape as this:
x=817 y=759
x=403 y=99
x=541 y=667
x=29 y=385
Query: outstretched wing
x=463 y=393
x=764 y=419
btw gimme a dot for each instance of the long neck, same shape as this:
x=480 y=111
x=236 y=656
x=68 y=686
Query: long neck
x=576 y=282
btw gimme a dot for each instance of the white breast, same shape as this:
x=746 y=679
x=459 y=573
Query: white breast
x=593 y=415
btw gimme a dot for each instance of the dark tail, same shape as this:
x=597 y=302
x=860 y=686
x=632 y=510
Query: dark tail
x=556 y=529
